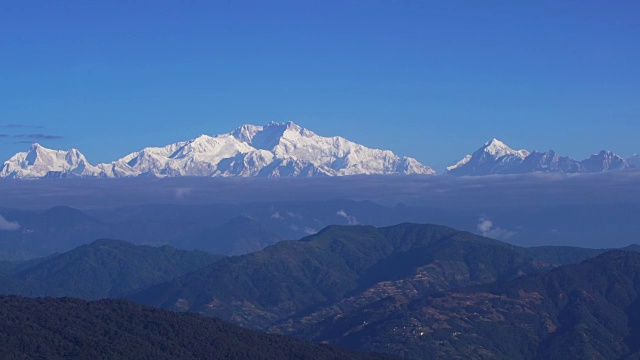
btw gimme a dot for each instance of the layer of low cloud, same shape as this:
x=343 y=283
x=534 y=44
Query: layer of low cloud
x=6 y=225
x=446 y=192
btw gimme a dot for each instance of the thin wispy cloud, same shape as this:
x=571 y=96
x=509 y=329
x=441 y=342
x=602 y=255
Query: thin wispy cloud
x=37 y=136
x=21 y=126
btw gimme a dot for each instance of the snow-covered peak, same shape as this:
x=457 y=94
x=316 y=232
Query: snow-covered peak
x=275 y=149
x=289 y=125
x=40 y=161
x=605 y=160
x=246 y=132
x=498 y=149
x=492 y=157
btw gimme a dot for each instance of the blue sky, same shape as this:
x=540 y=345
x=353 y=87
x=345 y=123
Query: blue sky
x=428 y=79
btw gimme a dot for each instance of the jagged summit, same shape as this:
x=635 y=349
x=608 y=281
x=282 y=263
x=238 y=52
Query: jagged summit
x=39 y=162
x=495 y=157
x=497 y=148
x=605 y=160
x=273 y=150
x=285 y=149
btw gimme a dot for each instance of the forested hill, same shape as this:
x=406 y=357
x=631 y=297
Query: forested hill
x=589 y=310
x=117 y=329
x=104 y=268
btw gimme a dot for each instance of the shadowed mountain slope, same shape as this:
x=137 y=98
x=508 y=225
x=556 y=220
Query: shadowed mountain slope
x=116 y=329
x=104 y=268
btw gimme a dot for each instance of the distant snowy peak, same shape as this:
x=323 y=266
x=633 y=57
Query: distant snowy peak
x=548 y=162
x=495 y=157
x=497 y=149
x=288 y=150
x=196 y=157
x=604 y=161
x=273 y=150
x=269 y=136
x=39 y=162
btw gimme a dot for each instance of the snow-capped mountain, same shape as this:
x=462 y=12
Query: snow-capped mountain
x=274 y=150
x=494 y=157
x=288 y=150
x=546 y=162
x=39 y=162
x=603 y=161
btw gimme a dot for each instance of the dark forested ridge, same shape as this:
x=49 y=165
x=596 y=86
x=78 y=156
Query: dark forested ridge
x=104 y=268
x=117 y=329
x=295 y=283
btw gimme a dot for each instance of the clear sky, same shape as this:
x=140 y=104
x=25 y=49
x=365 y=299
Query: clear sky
x=428 y=79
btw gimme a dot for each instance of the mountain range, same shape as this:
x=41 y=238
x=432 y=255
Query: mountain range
x=495 y=157
x=295 y=284
x=235 y=229
x=417 y=291
x=288 y=150
x=273 y=150
x=420 y=291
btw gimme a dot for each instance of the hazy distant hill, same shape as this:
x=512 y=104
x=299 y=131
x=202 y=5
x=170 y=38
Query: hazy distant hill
x=104 y=268
x=242 y=228
x=116 y=329
x=240 y=235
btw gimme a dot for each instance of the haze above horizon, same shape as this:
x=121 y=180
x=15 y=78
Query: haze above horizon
x=433 y=81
